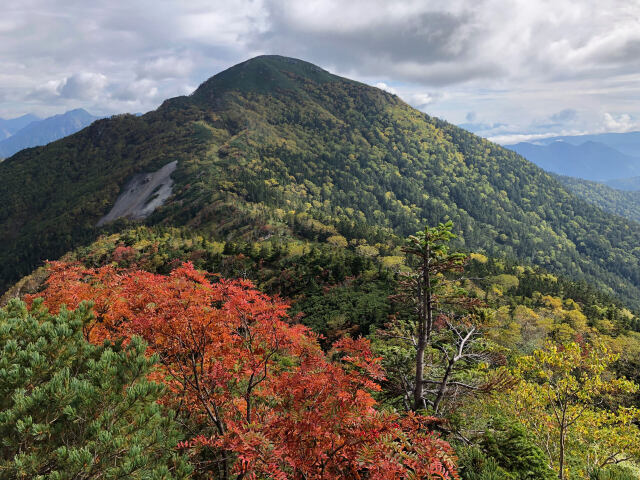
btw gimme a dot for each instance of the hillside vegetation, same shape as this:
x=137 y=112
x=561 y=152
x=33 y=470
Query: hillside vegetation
x=625 y=203
x=302 y=305
x=526 y=324
x=277 y=146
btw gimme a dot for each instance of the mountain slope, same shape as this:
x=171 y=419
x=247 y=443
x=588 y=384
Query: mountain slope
x=620 y=202
x=44 y=131
x=10 y=126
x=629 y=184
x=277 y=146
x=589 y=160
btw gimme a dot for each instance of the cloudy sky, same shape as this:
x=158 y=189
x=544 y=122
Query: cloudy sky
x=509 y=70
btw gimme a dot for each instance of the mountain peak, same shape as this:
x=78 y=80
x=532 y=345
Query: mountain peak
x=263 y=74
x=41 y=132
x=77 y=111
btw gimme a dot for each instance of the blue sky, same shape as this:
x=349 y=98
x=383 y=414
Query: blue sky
x=510 y=70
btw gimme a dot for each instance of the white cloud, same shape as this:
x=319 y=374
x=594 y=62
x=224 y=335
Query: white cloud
x=47 y=91
x=386 y=88
x=566 y=115
x=162 y=68
x=137 y=91
x=515 y=62
x=83 y=86
x=510 y=139
x=421 y=100
x=619 y=123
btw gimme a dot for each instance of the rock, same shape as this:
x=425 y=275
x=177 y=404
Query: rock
x=142 y=195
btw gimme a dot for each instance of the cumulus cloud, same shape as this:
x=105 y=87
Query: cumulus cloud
x=513 y=138
x=83 y=86
x=421 y=100
x=169 y=67
x=619 y=123
x=413 y=41
x=566 y=115
x=48 y=91
x=108 y=56
x=138 y=90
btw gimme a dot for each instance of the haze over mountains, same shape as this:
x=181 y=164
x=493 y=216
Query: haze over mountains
x=627 y=143
x=604 y=169
x=278 y=141
x=11 y=126
x=589 y=160
x=30 y=131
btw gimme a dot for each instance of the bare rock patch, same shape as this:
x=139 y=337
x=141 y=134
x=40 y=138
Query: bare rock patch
x=142 y=194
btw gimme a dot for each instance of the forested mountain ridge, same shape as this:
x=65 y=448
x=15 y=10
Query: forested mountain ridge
x=625 y=203
x=279 y=146
x=54 y=195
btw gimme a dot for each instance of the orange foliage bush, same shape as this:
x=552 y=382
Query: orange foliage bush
x=267 y=401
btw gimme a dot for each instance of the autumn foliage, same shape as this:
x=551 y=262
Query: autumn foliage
x=259 y=396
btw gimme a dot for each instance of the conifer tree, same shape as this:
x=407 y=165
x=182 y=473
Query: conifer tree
x=73 y=410
x=433 y=295
x=430 y=248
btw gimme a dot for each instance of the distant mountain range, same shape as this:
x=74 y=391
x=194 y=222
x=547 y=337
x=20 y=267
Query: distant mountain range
x=589 y=160
x=29 y=131
x=604 y=169
x=11 y=126
x=627 y=143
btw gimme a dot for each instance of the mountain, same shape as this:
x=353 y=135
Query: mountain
x=589 y=160
x=278 y=147
x=631 y=184
x=41 y=132
x=620 y=202
x=627 y=143
x=11 y=126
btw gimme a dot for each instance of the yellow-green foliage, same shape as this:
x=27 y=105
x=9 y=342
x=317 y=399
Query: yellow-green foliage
x=337 y=241
x=478 y=257
x=557 y=398
x=318 y=156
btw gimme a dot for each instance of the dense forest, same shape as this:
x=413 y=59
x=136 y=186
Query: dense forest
x=625 y=203
x=279 y=141
x=340 y=287
x=527 y=330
